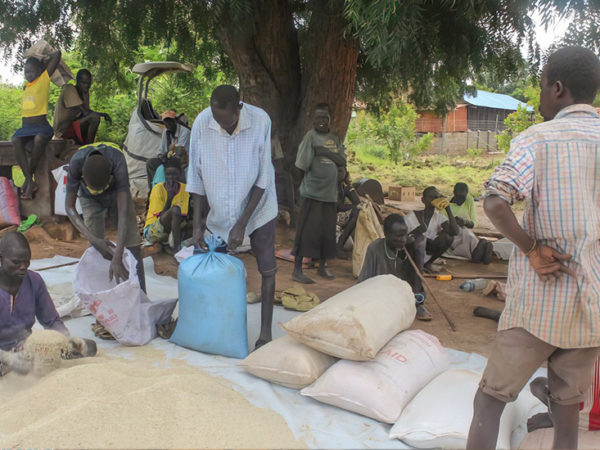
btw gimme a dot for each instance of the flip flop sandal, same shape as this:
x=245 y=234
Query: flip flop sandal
x=165 y=330
x=26 y=224
x=101 y=332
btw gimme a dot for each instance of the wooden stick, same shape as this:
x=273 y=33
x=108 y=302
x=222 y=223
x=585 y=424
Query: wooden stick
x=57 y=266
x=448 y=319
x=468 y=277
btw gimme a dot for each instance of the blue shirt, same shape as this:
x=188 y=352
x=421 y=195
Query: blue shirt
x=32 y=300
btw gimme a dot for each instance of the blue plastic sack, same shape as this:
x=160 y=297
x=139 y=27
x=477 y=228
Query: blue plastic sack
x=212 y=303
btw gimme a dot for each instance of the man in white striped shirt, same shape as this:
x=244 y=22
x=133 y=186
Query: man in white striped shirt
x=232 y=182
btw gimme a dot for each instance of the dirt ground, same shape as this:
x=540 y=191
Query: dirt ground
x=472 y=334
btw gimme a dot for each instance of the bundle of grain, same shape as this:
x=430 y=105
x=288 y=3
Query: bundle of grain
x=45 y=348
x=287 y=362
x=381 y=388
x=357 y=322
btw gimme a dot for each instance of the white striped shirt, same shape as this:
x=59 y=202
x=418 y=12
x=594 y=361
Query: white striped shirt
x=226 y=167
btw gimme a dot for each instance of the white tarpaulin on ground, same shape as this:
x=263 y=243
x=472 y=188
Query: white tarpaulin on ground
x=318 y=425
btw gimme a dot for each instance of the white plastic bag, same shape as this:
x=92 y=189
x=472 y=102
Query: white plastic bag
x=381 y=388
x=123 y=309
x=440 y=415
x=357 y=322
x=287 y=362
x=60 y=194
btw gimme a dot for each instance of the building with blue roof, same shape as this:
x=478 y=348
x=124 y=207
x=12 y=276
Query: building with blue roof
x=484 y=111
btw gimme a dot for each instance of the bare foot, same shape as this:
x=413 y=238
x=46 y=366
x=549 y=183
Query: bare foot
x=301 y=278
x=260 y=343
x=81 y=348
x=325 y=273
x=539 y=388
x=539 y=421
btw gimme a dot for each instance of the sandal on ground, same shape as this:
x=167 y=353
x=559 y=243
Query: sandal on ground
x=101 y=332
x=165 y=330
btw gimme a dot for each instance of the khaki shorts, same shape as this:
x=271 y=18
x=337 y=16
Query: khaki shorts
x=517 y=354
x=94 y=216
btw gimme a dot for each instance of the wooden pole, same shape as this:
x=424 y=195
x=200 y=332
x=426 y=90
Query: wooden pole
x=57 y=266
x=448 y=319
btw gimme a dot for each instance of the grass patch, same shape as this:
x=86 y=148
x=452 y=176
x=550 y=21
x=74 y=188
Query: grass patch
x=368 y=159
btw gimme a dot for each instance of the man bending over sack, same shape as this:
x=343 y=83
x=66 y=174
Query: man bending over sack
x=98 y=173
x=232 y=180
x=438 y=229
x=169 y=203
x=389 y=255
x=23 y=297
x=552 y=311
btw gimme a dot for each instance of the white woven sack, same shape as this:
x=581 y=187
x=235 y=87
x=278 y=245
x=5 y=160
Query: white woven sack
x=440 y=415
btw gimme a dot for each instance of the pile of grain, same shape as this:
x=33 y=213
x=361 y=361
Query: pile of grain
x=138 y=402
x=45 y=348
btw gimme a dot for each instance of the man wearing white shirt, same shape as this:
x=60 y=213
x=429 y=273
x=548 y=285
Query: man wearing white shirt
x=232 y=182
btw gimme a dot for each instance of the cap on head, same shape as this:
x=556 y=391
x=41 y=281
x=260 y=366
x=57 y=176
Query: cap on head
x=578 y=69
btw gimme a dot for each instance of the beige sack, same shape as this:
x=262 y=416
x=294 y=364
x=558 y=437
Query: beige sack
x=40 y=50
x=367 y=230
x=287 y=362
x=357 y=322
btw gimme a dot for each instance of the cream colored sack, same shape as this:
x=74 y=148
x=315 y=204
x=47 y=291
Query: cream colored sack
x=367 y=230
x=287 y=362
x=356 y=323
x=381 y=388
x=440 y=415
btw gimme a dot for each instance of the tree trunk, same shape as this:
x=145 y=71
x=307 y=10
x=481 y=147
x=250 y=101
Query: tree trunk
x=275 y=76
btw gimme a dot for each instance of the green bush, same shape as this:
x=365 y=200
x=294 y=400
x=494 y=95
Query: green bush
x=10 y=110
x=521 y=119
x=474 y=152
x=391 y=134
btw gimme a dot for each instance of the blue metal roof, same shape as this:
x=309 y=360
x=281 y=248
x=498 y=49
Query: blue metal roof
x=496 y=101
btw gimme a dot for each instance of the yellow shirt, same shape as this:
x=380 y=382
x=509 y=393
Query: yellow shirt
x=35 y=96
x=158 y=200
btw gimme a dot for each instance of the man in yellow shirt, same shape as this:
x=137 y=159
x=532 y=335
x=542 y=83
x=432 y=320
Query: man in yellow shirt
x=35 y=127
x=169 y=203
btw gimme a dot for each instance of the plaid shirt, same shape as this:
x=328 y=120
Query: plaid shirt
x=555 y=167
x=225 y=167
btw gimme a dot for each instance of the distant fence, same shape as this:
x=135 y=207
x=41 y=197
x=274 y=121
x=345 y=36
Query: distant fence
x=457 y=143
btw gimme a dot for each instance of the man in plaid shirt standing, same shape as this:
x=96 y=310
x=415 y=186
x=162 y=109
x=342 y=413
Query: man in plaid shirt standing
x=552 y=310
